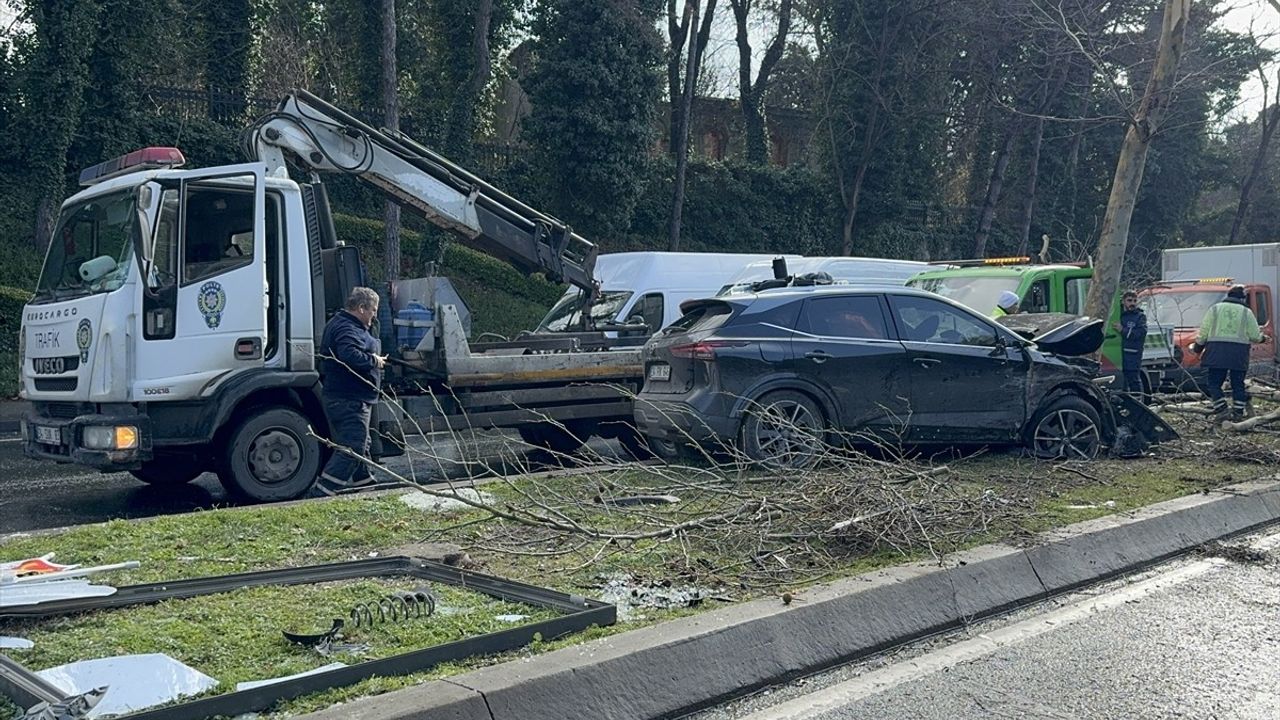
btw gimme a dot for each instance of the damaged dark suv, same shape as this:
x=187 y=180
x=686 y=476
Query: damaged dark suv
x=779 y=374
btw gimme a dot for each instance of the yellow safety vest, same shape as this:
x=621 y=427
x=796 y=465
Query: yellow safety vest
x=1229 y=322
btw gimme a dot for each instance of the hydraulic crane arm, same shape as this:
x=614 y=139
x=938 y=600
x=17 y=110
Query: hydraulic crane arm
x=322 y=138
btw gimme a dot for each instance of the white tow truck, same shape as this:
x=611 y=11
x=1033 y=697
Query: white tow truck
x=175 y=324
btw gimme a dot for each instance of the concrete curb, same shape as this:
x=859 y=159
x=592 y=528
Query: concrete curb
x=680 y=666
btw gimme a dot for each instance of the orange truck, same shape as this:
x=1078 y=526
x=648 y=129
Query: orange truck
x=1193 y=280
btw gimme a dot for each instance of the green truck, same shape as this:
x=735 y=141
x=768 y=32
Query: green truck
x=1043 y=289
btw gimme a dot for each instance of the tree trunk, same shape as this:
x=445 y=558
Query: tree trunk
x=681 y=139
x=461 y=128
x=677 y=33
x=751 y=93
x=1269 y=122
x=851 y=208
x=1033 y=174
x=391 y=118
x=994 y=189
x=46 y=216
x=1114 y=237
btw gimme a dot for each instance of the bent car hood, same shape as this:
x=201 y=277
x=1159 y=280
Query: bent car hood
x=1058 y=333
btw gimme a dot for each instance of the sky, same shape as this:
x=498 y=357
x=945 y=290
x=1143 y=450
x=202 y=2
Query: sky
x=1259 y=17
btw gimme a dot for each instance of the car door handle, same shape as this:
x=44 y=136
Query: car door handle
x=818 y=356
x=926 y=362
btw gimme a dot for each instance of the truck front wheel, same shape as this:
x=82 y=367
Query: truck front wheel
x=271 y=455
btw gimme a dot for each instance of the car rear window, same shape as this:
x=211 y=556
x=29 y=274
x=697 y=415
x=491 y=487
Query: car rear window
x=703 y=316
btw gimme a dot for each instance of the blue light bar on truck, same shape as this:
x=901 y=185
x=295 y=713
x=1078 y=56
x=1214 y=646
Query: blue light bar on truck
x=144 y=159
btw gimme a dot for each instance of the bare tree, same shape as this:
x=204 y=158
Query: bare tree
x=1268 y=120
x=391 y=118
x=751 y=93
x=1114 y=236
x=678 y=28
x=680 y=140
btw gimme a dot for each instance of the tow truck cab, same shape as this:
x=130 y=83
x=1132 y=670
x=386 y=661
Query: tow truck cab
x=167 y=312
x=1044 y=289
x=1181 y=305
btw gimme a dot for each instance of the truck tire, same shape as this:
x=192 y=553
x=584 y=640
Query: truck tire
x=557 y=439
x=168 y=472
x=271 y=455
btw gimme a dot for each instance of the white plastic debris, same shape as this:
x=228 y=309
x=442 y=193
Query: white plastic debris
x=510 y=618
x=136 y=682
x=42 y=592
x=434 y=503
x=15 y=643
x=251 y=684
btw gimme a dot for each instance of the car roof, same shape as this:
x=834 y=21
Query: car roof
x=821 y=290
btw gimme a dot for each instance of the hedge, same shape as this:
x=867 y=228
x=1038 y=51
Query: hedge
x=11 y=302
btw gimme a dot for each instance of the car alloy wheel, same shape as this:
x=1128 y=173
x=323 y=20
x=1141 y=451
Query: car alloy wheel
x=1067 y=433
x=785 y=431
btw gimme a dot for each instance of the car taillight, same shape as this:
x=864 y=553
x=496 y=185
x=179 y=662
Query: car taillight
x=705 y=350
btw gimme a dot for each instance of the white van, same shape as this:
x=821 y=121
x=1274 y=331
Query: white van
x=843 y=270
x=648 y=287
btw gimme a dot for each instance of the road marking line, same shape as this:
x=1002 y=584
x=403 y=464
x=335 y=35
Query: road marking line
x=854 y=689
x=8 y=440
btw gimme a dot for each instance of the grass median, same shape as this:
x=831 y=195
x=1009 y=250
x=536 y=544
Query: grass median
x=700 y=539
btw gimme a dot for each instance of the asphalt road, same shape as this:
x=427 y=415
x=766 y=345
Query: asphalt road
x=1199 y=638
x=46 y=495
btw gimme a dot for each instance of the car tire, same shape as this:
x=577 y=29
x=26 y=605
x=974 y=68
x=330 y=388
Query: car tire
x=784 y=430
x=557 y=439
x=635 y=445
x=1066 y=428
x=168 y=471
x=271 y=455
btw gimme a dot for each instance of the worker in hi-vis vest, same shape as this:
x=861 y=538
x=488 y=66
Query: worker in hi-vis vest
x=1225 y=335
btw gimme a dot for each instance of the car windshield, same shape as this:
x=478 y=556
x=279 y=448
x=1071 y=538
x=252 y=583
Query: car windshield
x=979 y=293
x=90 y=248
x=567 y=313
x=1179 y=309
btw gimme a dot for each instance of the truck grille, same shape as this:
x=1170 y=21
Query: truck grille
x=56 y=384
x=64 y=411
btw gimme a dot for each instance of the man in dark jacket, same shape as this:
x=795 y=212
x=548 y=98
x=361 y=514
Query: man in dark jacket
x=352 y=372
x=1133 y=338
x=1225 y=335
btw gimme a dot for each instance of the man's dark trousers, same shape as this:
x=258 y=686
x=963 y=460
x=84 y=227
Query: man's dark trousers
x=1239 y=395
x=1131 y=367
x=349 y=427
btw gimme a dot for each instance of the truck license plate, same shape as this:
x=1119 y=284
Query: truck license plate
x=48 y=435
x=49 y=365
x=660 y=371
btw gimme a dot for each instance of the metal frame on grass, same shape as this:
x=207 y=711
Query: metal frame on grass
x=580 y=613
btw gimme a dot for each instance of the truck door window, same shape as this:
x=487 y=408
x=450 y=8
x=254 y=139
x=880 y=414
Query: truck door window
x=649 y=310
x=1077 y=290
x=1261 y=301
x=1037 y=298
x=218 y=230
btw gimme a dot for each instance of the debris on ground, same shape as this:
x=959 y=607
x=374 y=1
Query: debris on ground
x=73 y=708
x=134 y=682
x=39 y=580
x=626 y=500
x=440 y=503
x=1243 y=554
x=15 y=643
x=251 y=684
x=626 y=593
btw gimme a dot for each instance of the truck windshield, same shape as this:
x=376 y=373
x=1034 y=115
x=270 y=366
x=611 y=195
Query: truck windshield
x=979 y=293
x=1179 y=309
x=90 y=248
x=567 y=314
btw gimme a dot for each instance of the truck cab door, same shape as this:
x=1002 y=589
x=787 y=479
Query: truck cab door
x=205 y=284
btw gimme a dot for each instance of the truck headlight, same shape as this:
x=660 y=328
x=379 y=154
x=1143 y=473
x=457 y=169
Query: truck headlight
x=120 y=437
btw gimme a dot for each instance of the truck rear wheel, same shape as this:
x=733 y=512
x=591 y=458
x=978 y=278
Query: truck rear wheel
x=168 y=472
x=271 y=455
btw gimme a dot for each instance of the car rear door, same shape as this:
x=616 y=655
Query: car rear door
x=966 y=385
x=844 y=344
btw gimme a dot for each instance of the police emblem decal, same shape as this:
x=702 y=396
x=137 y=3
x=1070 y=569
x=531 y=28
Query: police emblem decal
x=84 y=338
x=212 y=300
